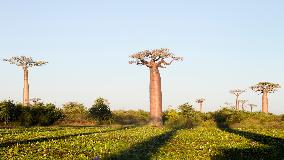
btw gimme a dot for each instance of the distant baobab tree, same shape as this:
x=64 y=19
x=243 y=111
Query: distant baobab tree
x=25 y=63
x=264 y=88
x=154 y=60
x=35 y=100
x=237 y=93
x=252 y=106
x=243 y=102
x=200 y=101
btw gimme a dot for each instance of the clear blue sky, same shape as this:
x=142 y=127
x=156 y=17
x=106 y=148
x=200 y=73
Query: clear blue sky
x=225 y=45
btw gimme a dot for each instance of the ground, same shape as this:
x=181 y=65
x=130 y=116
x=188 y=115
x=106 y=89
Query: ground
x=141 y=142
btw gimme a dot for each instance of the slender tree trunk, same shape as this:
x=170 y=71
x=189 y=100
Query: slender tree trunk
x=200 y=107
x=237 y=103
x=265 y=102
x=155 y=97
x=250 y=109
x=26 y=100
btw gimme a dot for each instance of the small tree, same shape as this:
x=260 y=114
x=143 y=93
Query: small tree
x=154 y=60
x=74 y=111
x=237 y=93
x=252 y=106
x=100 y=110
x=200 y=101
x=243 y=102
x=7 y=111
x=25 y=63
x=265 y=88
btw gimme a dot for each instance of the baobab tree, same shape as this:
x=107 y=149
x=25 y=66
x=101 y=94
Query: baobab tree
x=200 y=101
x=155 y=59
x=237 y=93
x=265 y=88
x=252 y=106
x=243 y=102
x=25 y=63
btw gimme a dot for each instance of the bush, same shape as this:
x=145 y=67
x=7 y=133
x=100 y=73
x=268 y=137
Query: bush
x=100 y=111
x=185 y=117
x=228 y=117
x=7 y=111
x=75 y=111
x=130 y=117
x=45 y=114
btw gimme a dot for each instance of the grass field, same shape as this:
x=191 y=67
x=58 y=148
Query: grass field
x=144 y=142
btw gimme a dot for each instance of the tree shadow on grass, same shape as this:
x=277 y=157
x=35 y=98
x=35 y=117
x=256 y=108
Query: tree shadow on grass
x=144 y=150
x=42 y=139
x=273 y=149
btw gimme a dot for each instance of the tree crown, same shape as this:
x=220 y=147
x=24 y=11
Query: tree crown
x=267 y=87
x=200 y=100
x=237 y=92
x=157 y=57
x=24 y=61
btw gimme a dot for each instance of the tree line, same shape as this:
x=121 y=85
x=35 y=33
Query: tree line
x=154 y=60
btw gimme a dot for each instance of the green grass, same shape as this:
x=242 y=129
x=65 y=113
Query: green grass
x=203 y=142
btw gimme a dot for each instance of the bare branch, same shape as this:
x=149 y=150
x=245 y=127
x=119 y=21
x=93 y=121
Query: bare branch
x=237 y=92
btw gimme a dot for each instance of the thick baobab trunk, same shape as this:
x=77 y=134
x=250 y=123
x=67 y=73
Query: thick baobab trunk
x=155 y=97
x=265 y=102
x=237 y=103
x=26 y=100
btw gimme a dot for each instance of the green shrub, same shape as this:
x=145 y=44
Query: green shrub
x=75 y=111
x=233 y=118
x=7 y=111
x=130 y=117
x=100 y=111
x=45 y=114
x=185 y=117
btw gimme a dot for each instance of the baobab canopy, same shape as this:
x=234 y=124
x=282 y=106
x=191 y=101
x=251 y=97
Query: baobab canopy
x=24 y=61
x=158 y=56
x=265 y=87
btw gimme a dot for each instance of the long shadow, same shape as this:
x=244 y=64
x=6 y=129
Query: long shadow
x=7 y=144
x=144 y=150
x=273 y=149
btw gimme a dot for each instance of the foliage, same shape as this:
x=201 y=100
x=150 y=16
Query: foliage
x=37 y=114
x=100 y=111
x=24 y=61
x=130 y=117
x=243 y=119
x=267 y=87
x=74 y=111
x=207 y=142
x=7 y=111
x=185 y=117
x=157 y=56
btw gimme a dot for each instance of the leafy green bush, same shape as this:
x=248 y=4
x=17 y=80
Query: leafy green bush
x=45 y=114
x=185 y=117
x=100 y=111
x=233 y=118
x=7 y=111
x=75 y=111
x=130 y=117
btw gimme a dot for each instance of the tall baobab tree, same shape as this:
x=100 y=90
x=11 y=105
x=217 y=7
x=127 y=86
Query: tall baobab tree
x=252 y=106
x=25 y=63
x=200 y=101
x=154 y=60
x=237 y=93
x=243 y=102
x=264 y=88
